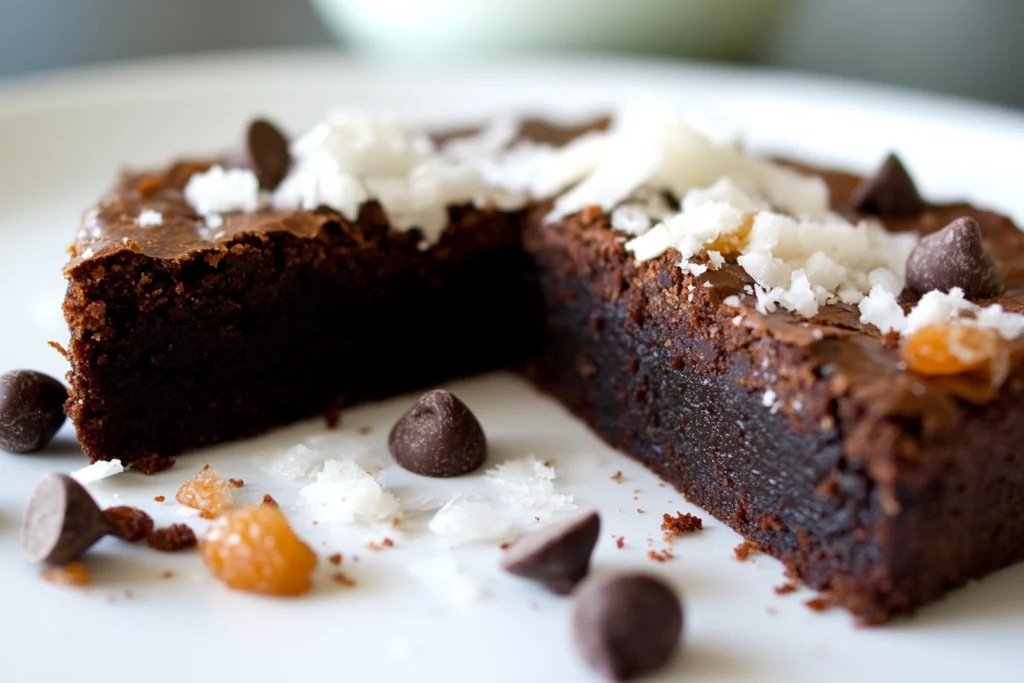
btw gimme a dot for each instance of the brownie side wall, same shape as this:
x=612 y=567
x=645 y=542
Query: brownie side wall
x=669 y=381
x=169 y=355
x=961 y=496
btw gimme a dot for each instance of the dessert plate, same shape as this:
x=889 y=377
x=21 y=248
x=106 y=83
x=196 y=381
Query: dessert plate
x=426 y=608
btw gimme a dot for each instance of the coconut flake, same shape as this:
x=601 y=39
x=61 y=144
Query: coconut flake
x=468 y=520
x=526 y=485
x=101 y=469
x=296 y=463
x=345 y=492
x=148 y=218
x=220 y=190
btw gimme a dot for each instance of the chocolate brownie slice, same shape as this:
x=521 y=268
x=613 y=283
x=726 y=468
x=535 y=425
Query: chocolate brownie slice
x=783 y=410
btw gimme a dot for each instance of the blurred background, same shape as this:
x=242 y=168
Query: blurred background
x=969 y=48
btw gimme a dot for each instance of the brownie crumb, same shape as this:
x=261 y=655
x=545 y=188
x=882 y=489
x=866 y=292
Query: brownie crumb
x=73 y=574
x=60 y=349
x=166 y=575
x=785 y=588
x=334 y=559
x=159 y=499
x=617 y=477
x=639 y=511
x=386 y=543
x=743 y=550
x=131 y=523
x=819 y=604
x=682 y=523
x=269 y=500
x=365 y=429
x=151 y=464
x=505 y=546
x=332 y=416
x=236 y=483
x=172 y=538
x=343 y=579
x=620 y=541
x=662 y=556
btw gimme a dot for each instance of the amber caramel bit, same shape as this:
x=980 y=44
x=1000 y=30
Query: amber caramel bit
x=159 y=499
x=236 y=483
x=131 y=523
x=269 y=500
x=334 y=559
x=167 y=575
x=819 y=604
x=206 y=492
x=74 y=574
x=733 y=242
x=620 y=541
x=172 y=538
x=785 y=588
x=252 y=548
x=953 y=349
x=617 y=477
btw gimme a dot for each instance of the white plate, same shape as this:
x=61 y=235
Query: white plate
x=62 y=139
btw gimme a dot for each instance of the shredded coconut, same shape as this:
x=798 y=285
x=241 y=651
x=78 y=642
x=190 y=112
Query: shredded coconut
x=220 y=190
x=297 y=462
x=148 y=218
x=101 y=469
x=732 y=300
x=527 y=485
x=467 y=520
x=345 y=492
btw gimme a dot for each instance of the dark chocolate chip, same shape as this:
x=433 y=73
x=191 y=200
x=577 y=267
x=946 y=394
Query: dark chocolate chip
x=267 y=154
x=954 y=257
x=31 y=410
x=626 y=625
x=62 y=521
x=890 y=193
x=557 y=556
x=438 y=437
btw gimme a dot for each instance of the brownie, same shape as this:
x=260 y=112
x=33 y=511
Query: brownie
x=884 y=487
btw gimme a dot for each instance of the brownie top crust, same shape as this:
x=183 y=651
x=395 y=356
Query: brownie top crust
x=158 y=215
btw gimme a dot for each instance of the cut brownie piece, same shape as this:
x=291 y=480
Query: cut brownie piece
x=807 y=437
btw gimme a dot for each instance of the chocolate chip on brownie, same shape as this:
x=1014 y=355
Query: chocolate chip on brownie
x=266 y=152
x=31 y=410
x=626 y=625
x=557 y=556
x=889 y=193
x=62 y=521
x=438 y=437
x=954 y=257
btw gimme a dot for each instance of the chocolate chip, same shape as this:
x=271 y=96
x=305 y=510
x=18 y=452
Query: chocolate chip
x=954 y=257
x=438 y=437
x=267 y=154
x=62 y=521
x=557 y=556
x=31 y=410
x=627 y=624
x=890 y=193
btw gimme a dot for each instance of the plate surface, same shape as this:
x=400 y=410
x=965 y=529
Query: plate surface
x=63 y=137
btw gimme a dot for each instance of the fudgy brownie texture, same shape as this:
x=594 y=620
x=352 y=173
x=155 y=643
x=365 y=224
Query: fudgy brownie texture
x=807 y=436
x=176 y=347
x=886 y=488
